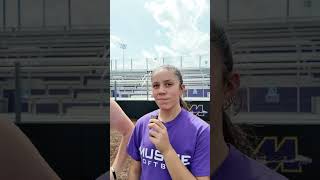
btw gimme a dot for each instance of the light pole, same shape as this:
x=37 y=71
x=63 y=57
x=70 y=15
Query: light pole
x=123 y=47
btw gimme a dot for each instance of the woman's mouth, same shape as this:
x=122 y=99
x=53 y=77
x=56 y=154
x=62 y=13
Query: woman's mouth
x=162 y=99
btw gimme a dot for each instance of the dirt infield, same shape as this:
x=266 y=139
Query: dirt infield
x=115 y=139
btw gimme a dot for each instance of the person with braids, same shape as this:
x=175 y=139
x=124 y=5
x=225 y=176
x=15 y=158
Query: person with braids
x=232 y=152
x=170 y=142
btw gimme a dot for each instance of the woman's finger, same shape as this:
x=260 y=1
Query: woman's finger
x=153 y=133
x=155 y=127
x=158 y=122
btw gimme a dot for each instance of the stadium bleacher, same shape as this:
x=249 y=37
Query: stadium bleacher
x=279 y=64
x=135 y=84
x=56 y=66
x=64 y=94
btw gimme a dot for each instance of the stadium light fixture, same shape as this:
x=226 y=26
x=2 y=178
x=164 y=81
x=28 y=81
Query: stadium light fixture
x=123 y=47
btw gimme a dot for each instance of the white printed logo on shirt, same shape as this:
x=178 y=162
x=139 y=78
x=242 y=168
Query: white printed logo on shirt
x=153 y=157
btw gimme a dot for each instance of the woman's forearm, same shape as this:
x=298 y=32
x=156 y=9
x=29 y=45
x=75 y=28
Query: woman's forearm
x=135 y=170
x=122 y=155
x=177 y=170
x=123 y=125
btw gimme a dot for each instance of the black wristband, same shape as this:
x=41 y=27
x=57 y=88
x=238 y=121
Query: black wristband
x=113 y=173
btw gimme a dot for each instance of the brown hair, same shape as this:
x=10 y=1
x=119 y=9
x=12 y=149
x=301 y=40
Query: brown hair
x=178 y=74
x=233 y=134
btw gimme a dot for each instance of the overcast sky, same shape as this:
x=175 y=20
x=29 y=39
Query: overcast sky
x=159 y=28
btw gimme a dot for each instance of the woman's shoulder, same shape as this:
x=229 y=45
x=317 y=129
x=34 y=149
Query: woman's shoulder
x=196 y=120
x=239 y=166
x=260 y=171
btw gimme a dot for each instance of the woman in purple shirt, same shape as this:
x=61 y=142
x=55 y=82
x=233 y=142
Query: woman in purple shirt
x=229 y=145
x=169 y=143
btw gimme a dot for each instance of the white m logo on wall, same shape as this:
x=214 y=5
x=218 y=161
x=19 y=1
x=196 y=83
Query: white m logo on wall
x=198 y=110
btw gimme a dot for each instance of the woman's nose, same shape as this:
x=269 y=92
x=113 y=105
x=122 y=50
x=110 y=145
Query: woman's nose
x=162 y=89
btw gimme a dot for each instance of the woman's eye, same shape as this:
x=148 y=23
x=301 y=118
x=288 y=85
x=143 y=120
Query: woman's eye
x=169 y=84
x=155 y=85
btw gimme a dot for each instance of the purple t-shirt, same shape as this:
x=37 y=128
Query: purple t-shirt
x=239 y=166
x=189 y=136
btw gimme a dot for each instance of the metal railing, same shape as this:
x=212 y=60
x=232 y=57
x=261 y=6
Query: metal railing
x=142 y=90
x=181 y=62
x=136 y=85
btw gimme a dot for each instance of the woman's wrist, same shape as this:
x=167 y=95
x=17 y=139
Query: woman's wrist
x=168 y=151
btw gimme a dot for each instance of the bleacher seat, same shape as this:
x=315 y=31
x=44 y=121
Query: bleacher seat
x=55 y=64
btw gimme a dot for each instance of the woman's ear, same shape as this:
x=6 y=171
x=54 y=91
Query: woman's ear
x=183 y=90
x=232 y=85
x=183 y=87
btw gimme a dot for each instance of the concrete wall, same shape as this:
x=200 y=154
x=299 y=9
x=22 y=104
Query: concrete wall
x=136 y=109
x=74 y=151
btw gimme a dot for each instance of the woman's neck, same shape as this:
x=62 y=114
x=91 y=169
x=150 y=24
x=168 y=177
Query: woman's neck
x=218 y=145
x=220 y=152
x=169 y=115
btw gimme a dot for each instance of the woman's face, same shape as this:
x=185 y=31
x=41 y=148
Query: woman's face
x=166 y=89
